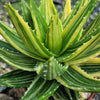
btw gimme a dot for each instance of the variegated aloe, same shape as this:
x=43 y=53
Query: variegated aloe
x=52 y=56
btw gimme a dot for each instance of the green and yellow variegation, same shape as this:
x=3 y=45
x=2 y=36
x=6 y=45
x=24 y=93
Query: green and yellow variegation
x=53 y=56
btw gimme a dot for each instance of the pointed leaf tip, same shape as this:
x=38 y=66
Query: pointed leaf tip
x=66 y=10
x=27 y=35
x=47 y=9
x=54 y=39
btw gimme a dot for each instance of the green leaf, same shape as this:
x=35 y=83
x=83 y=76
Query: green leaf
x=17 y=78
x=91 y=30
x=82 y=53
x=86 y=56
x=54 y=39
x=26 y=34
x=38 y=21
x=92 y=67
x=64 y=93
x=76 y=24
x=47 y=10
x=93 y=61
x=92 y=27
x=77 y=39
x=87 y=38
x=11 y=36
x=40 y=89
x=93 y=70
x=74 y=94
x=66 y=10
x=76 y=79
x=77 y=7
x=60 y=94
x=15 y=58
x=26 y=13
x=5 y=45
x=37 y=2
x=8 y=28
x=50 y=69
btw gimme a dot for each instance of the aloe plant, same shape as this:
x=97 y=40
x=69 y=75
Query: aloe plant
x=53 y=56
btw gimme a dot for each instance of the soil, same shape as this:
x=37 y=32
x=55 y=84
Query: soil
x=12 y=94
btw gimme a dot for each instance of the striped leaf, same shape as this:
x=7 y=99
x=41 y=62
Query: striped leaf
x=86 y=56
x=17 y=78
x=38 y=21
x=40 y=89
x=60 y=94
x=64 y=93
x=11 y=36
x=6 y=28
x=83 y=51
x=76 y=79
x=5 y=45
x=73 y=95
x=93 y=70
x=97 y=46
x=93 y=61
x=47 y=10
x=26 y=34
x=76 y=24
x=80 y=3
x=54 y=39
x=77 y=39
x=87 y=38
x=26 y=13
x=66 y=10
x=81 y=59
x=50 y=69
x=92 y=27
x=92 y=67
x=15 y=58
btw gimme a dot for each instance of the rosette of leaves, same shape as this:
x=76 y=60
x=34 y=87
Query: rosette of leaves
x=53 y=56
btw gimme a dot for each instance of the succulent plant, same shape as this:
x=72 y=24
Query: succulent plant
x=53 y=56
